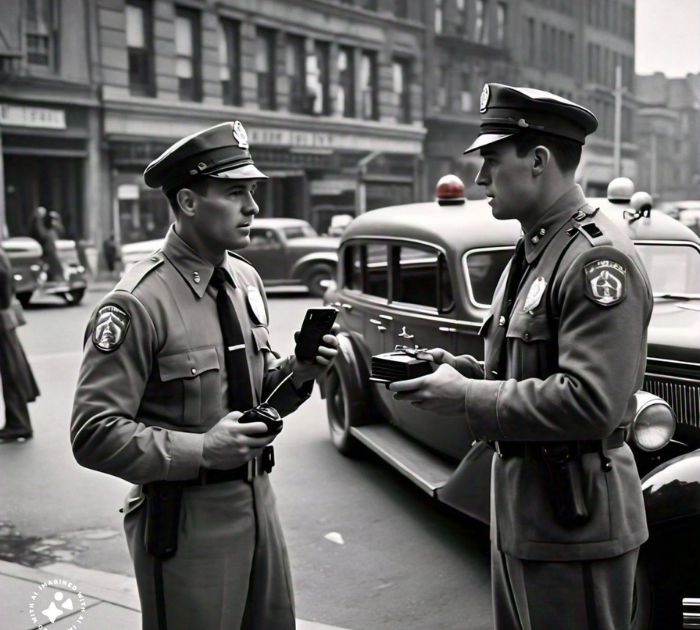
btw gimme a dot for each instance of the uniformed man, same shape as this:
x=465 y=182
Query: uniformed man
x=565 y=352
x=172 y=357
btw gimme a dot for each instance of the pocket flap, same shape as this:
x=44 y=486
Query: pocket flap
x=529 y=327
x=188 y=364
x=261 y=338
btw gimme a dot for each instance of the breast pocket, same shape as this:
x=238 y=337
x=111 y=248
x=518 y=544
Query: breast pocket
x=532 y=348
x=194 y=376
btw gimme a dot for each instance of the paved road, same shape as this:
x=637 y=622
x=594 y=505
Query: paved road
x=404 y=563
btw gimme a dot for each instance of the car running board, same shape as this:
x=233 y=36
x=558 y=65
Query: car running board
x=423 y=468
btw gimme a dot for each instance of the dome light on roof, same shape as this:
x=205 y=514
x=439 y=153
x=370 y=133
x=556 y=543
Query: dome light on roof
x=450 y=190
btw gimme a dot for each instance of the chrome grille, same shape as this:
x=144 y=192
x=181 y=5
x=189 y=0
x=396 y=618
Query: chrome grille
x=682 y=394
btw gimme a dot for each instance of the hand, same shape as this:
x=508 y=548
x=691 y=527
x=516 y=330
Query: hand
x=465 y=364
x=325 y=355
x=440 y=392
x=229 y=444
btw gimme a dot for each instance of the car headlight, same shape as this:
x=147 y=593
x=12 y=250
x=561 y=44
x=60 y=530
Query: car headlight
x=654 y=422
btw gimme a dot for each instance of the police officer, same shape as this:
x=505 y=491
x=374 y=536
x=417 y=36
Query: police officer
x=565 y=352
x=18 y=384
x=172 y=357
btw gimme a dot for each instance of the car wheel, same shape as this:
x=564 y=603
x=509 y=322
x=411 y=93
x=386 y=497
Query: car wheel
x=74 y=297
x=642 y=597
x=315 y=278
x=24 y=298
x=340 y=414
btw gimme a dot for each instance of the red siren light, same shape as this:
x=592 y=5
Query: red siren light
x=450 y=190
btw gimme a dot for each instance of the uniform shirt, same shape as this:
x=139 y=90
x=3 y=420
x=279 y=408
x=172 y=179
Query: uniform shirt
x=569 y=376
x=153 y=378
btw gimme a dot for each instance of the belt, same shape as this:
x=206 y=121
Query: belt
x=246 y=472
x=535 y=449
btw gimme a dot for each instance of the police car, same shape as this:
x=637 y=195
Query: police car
x=423 y=275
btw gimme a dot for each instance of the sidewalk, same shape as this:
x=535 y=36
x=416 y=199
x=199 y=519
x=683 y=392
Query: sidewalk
x=81 y=599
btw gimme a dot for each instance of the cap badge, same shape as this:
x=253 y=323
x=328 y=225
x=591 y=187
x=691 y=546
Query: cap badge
x=534 y=295
x=240 y=136
x=256 y=305
x=484 y=100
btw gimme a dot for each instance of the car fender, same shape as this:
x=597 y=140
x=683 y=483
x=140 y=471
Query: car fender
x=672 y=490
x=300 y=266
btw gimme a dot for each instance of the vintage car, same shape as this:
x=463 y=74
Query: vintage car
x=423 y=275
x=284 y=251
x=29 y=270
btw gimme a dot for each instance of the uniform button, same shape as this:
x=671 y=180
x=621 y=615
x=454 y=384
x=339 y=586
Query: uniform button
x=502 y=321
x=196 y=278
x=535 y=239
x=543 y=231
x=154 y=258
x=194 y=370
x=526 y=336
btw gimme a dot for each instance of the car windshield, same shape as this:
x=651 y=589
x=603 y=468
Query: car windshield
x=299 y=231
x=674 y=269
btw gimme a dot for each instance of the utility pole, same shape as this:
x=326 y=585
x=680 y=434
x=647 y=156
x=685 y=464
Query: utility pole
x=2 y=193
x=617 y=150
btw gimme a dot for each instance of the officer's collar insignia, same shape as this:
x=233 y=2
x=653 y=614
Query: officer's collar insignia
x=605 y=282
x=256 y=305
x=240 y=135
x=534 y=295
x=484 y=100
x=111 y=326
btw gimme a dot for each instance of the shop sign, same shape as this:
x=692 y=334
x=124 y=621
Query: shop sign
x=40 y=117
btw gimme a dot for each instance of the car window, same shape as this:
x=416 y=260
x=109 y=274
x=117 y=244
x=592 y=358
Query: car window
x=262 y=238
x=353 y=267
x=672 y=268
x=422 y=278
x=299 y=231
x=376 y=270
x=483 y=268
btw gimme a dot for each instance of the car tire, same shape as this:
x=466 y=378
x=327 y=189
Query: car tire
x=315 y=275
x=24 y=298
x=642 y=597
x=74 y=297
x=343 y=412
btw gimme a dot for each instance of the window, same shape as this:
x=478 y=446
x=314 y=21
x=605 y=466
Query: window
x=229 y=61
x=264 y=67
x=438 y=16
x=263 y=239
x=40 y=33
x=483 y=268
x=368 y=86
x=139 y=38
x=672 y=268
x=422 y=278
x=501 y=23
x=353 y=267
x=345 y=99
x=296 y=72
x=303 y=230
x=441 y=87
x=481 y=27
x=376 y=270
x=187 y=50
x=402 y=90
x=466 y=100
x=318 y=81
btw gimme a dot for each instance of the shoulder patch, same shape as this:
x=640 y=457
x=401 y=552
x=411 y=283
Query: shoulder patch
x=139 y=271
x=605 y=282
x=110 y=328
x=235 y=255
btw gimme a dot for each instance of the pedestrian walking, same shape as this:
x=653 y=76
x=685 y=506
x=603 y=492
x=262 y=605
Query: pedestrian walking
x=172 y=357
x=565 y=352
x=18 y=384
x=46 y=228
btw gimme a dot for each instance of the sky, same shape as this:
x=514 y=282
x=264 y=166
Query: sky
x=668 y=37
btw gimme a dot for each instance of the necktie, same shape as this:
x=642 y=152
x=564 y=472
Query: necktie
x=240 y=389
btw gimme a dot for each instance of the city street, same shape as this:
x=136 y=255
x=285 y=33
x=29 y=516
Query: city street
x=368 y=549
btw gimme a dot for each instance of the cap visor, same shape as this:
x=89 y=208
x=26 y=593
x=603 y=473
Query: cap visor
x=248 y=171
x=487 y=138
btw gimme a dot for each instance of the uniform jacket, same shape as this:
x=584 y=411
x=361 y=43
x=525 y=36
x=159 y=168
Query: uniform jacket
x=571 y=375
x=141 y=408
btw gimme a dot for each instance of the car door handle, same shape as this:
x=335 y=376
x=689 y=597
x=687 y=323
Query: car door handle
x=375 y=321
x=447 y=329
x=387 y=317
x=347 y=307
x=404 y=334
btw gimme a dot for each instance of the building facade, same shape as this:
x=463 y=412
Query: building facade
x=49 y=115
x=328 y=92
x=562 y=46
x=669 y=136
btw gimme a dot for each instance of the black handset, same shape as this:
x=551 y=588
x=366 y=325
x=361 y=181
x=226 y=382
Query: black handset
x=317 y=322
